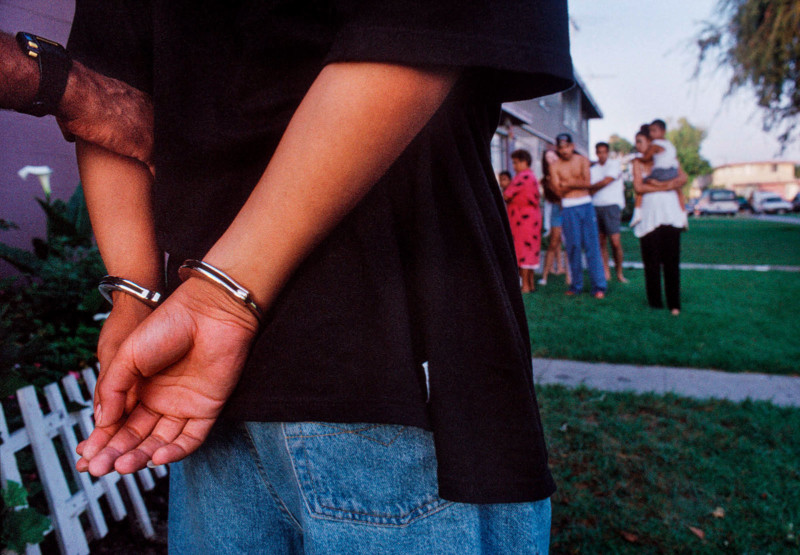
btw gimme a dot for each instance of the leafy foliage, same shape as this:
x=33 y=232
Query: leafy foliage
x=20 y=524
x=620 y=145
x=687 y=140
x=759 y=41
x=46 y=315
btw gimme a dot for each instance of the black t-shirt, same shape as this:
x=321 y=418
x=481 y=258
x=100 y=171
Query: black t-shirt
x=409 y=312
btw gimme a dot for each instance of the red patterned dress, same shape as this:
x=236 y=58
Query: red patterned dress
x=525 y=217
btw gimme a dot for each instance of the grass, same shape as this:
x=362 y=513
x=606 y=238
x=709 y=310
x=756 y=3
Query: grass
x=731 y=320
x=720 y=240
x=653 y=474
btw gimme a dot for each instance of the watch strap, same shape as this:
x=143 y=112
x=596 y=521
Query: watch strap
x=54 y=67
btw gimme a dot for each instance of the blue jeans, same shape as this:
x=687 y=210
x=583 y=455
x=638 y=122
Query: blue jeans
x=280 y=488
x=580 y=234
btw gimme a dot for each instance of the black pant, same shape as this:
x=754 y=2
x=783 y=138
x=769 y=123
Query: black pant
x=662 y=247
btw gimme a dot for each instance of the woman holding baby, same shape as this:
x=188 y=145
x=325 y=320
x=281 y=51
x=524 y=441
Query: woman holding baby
x=660 y=223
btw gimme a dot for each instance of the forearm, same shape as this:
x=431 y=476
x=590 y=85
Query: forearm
x=602 y=183
x=353 y=123
x=554 y=182
x=648 y=188
x=118 y=196
x=18 y=73
x=669 y=185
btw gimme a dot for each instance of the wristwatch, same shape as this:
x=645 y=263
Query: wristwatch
x=54 y=66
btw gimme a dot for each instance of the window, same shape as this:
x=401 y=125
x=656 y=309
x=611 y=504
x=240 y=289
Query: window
x=548 y=102
x=722 y=195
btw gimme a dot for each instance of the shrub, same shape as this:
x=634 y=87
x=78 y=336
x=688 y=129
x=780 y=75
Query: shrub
x=19 y=524
x=47 y=313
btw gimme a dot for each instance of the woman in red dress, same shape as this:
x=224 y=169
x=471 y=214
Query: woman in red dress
x=525 y=217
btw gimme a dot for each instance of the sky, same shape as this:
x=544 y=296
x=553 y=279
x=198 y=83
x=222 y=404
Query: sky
x=637 y=59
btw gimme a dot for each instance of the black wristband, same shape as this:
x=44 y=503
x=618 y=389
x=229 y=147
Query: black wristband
x=54 y=66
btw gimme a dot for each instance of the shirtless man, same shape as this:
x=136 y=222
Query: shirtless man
x=570 y=178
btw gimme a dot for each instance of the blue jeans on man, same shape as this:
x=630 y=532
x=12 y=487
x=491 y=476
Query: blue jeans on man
x=580 y=235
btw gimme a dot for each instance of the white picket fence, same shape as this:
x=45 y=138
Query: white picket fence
x=67 y=506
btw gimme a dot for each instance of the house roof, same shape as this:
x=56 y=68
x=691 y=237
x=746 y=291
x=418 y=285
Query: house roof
x=587 y=100
x=764 y=162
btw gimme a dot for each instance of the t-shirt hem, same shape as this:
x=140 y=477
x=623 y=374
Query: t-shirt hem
x=525 y=491
x=282 y=410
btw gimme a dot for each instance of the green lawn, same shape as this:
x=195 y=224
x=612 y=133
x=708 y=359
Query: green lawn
x=731 y=320
x=652 y=474
x=720 y=240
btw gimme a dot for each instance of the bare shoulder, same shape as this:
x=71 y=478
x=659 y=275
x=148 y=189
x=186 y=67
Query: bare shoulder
x=557 y=165
x=578 y=163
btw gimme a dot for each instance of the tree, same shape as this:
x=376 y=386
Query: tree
x=619 y=145
x=687 y=140
x=759 y=41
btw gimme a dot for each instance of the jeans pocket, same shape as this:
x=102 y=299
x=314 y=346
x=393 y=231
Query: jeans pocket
x=369 y=473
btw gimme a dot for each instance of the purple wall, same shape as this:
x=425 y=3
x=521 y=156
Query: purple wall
x=29 y=141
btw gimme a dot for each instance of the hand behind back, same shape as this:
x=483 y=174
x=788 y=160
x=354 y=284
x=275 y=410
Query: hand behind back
x=183 y=363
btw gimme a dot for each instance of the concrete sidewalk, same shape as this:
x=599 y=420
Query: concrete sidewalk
x=737 y=267
x=688 y=382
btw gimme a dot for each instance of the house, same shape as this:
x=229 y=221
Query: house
x=533 y=125
x=745 y=178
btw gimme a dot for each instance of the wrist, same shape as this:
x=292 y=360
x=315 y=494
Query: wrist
x=21 y=74
x=250 y=272
x=110 y=285
x=53 y=65
x=210 y=299
x=223 y=281
x=126 y=303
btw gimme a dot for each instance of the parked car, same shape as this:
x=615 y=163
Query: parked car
x=775 y=205
x=744 y=206
x=717 y=201
x=770 y=203
x=796 y=202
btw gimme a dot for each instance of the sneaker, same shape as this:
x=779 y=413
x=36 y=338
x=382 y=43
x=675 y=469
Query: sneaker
x=599 y=295
x=542 y=282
